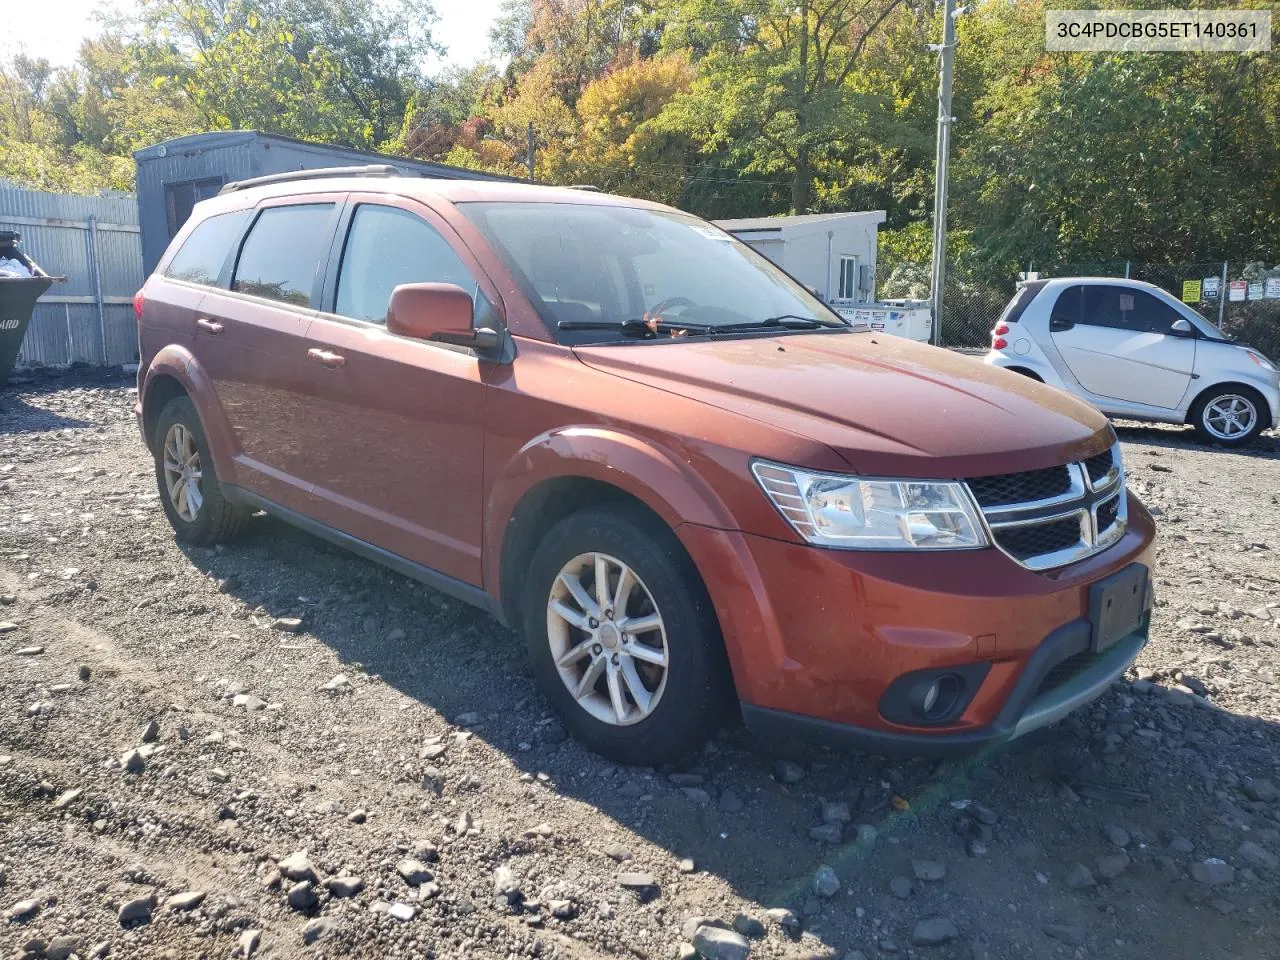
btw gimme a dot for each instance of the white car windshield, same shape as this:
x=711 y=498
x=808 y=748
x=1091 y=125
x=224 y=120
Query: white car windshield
x=596 y=271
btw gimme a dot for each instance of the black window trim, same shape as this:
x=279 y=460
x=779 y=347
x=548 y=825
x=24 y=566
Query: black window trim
x=317 y=284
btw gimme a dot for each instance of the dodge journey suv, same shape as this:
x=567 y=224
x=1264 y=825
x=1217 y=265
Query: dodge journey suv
x=690 y=485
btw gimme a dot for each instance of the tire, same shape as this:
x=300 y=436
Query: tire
x=695 y=693
x=215 y=519
x=1206 y=415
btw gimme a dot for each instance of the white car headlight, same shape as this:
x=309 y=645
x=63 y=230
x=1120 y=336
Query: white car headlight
x=834 y=510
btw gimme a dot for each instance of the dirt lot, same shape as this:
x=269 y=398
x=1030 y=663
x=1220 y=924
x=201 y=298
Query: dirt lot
x=184 y=773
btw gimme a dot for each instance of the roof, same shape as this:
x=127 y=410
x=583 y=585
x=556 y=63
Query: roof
x=801 y=221
x=218 y=139
x=451 y=191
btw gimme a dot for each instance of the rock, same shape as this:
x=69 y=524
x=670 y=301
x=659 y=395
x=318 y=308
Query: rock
x=1257 y=856
x=836 y=811
x=249 y=702
x=84 y=672
x=68 y=797
x=867 y=835
x=395 y=635
x=151 y=732
x=24 y=909
x=402 y=912
x=1065 y=933
x=697 y=795
x=317 y=929
x=344 y=886
x=302 y=895
x=1262 y=790
x=7 y=626
x=901 y=887
x=414 y=872
x=686 y=951
x=827 y=832
x=1117 y=836
x=1112 y=865
x=692 y=923
x=296 y=866
x=100 y=950
x=188 y=900
x=788 y=771
x=468 y=719
x=29 y=651
x=357 y=816
x=1181 y=845
x=636 y=881
x=730 y=802
x=425 y=851
x=60 y=948
x=984 y=815
x=248 y=943
x=433 y=751
x=562 y=909
x=338 y=684
x=541 y=830
x=716 y=944
x=687 y=865
x=616 y=851
x=825 y=882
x=934 y=932
x=464 y=824
x=749 y=926
x=687 y=779
x=1213 y=872
x=931 y=870
x=135 y=910
x=133 y=761
x=287 y=624
x=505 y=884
x=433 y=780
x=1079 y=877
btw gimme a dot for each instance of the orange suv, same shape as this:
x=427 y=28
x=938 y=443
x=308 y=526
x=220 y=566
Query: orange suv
x=690 y=485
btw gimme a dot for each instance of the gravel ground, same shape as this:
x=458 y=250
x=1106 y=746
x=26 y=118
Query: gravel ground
x=277 y=749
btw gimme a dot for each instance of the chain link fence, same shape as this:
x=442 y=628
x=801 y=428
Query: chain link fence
x=974 y=298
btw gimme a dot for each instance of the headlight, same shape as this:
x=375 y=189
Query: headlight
x=1260 y=360
x=832 y=510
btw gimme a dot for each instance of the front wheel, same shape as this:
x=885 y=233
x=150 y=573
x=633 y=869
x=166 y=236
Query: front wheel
x=622 y=637
x=1230 y=415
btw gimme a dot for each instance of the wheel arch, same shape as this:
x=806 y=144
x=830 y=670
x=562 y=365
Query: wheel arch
x=1266 y=414
x=174 y=372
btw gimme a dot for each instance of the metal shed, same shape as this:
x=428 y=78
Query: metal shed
x=173 y=176
x=834 y=253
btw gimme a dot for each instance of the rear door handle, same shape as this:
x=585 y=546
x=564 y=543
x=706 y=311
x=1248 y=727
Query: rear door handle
x=327 y=358
x=212 y=326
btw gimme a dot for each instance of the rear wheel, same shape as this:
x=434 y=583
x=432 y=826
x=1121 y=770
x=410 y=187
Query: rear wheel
x=622 y=637
x=189 y=489
x=1231 y=415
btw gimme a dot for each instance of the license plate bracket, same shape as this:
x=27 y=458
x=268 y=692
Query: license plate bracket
x=1117 y=605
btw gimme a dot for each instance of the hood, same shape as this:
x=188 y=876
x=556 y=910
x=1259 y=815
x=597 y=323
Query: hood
x=888 y=406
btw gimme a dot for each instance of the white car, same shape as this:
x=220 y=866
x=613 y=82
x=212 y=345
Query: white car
x=1134 y=351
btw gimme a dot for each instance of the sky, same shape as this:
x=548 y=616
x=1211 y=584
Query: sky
x=54 y=28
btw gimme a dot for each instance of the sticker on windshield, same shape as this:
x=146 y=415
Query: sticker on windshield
x=711 y=233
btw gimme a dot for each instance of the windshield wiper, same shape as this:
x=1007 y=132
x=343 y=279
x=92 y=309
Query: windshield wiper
x=644 y=329
x=787 y=321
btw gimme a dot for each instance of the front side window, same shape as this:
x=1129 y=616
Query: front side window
x=202 y=254
x=589 y=267
x=387 y=247
x=281 y=255
x=1125 y=308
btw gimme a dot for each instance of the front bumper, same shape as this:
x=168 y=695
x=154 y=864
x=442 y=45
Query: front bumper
x=816 y=637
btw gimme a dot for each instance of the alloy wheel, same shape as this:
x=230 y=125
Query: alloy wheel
x=607 y=639
x=1229 y=416
x=182 y=472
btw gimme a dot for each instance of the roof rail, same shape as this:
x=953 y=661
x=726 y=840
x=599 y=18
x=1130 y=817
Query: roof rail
x=318 y=173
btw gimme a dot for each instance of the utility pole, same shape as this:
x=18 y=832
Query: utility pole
x=946 y=50
x=528 y=157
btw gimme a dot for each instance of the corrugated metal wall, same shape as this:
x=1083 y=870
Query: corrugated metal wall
x=94 y=243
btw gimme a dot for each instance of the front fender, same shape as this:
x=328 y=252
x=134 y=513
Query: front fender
x=664 y=482
x=178 y=363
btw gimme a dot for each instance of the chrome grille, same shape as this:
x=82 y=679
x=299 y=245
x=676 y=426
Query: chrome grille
x=1055 y=516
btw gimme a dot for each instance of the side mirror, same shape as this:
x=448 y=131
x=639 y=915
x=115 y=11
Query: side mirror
x=437 y=311
x=1182 y=328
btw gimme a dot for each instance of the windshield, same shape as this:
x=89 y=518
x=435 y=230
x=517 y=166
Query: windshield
x=594 y=272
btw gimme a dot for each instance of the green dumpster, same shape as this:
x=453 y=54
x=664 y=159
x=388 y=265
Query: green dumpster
x=18 y=296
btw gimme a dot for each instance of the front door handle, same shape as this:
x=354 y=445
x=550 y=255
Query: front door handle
x=326 y=357
x=210 y=326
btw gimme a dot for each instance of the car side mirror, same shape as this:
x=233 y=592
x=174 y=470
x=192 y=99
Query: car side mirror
x=1182 y=328
x=443 y=312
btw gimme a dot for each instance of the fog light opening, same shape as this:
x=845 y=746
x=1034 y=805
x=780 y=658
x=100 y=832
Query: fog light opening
x=941 y=696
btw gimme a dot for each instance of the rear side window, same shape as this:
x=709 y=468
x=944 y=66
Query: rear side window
x=385 y=248
x=281 y=255
x=203 y=253
x=1016 y=307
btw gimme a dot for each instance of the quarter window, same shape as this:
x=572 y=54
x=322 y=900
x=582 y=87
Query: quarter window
x=387 y=247
x=282 y=253
x=203 y=253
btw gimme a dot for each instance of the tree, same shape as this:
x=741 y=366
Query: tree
x=773 y=78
